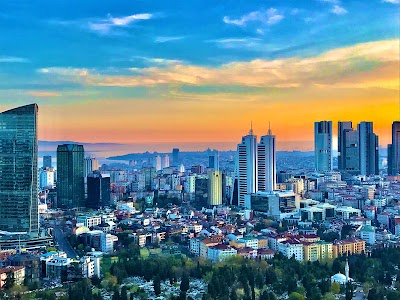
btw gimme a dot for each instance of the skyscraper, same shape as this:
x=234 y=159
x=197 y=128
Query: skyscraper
x=70 y=176
x=18 y=170
x=369 y=157
x=323 y=146
x=213 y=160
x=158 y=163
x=47 y=162
x=175 y=156
x=246 y=166
x=165 y=161
x=342 y=126
x=91 y=164
x=98 y=190
x=266 y=152
x=394 y=150
x=214 y=188
x=351 y=151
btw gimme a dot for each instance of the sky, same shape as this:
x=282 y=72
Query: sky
x=176 y=73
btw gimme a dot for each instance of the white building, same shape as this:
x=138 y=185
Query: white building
x=89 y=221
x=220 y=252
x=292 y=248
x=190 y=184
x=158 y=163
x=107 y=242
x=249 y=242
x=165 y=161
x=266 y=153
x=367 y=233
x=246 y=167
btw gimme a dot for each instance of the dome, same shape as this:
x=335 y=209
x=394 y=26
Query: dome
x=339 y=278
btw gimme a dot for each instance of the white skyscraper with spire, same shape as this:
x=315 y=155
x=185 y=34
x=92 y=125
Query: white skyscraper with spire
x=246 y=166
x=266 y=152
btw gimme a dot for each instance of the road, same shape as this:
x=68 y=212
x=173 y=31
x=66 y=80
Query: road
x=63 y=244
x=358 y=294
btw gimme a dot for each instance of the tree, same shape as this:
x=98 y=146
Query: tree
x=375 y=294
x=184 y=282
x=335 y=288
x=124 y=293
x=157 y=285
x=10 y=280
x=296 y=296
x=116 y=295
x=349 y=291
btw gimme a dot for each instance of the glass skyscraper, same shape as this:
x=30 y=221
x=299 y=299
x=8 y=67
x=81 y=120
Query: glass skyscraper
x=70 y=176
x=18 y=170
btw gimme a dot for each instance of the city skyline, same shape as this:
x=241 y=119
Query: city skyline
x=141 y=73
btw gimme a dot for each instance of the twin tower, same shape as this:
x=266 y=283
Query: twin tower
x=255 y=165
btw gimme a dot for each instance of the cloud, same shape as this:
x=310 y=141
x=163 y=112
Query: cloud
x=392 y=1
x=165 y=39
x=232 y=43
x=270 y=16
x=13 y=59
x=105 y=25
x=40 y=94
x=342 y=65
x=339 y=10
x=155 y=61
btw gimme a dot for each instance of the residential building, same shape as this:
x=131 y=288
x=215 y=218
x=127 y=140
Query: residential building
x=220 y=252
x=214 y=188
x=348 y=246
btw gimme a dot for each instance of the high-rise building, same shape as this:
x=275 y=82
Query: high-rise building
x=351 y=151
x=158 y=163
x=342 y=126
x=323 y=146
x=369 y=147
x=175 y=156
x=213 y=160
x=91 y=164
x=47 y=162
x=214 y=188
x=70 y=176
x=266 y=153
x=19 y=170
x=394 y=150
x=98 y=190
x=246 y=166
x=46 y=178
x=165 y=162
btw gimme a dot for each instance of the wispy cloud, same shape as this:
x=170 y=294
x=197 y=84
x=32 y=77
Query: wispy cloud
x=339 y=10
x=336 y=67
x=40 y=94
x=270 y=16
x=156 y=60
x=392 y=1
x=337 y=7
x=165 y=39
x=105 y=25
x=13 y=59
x=231 y=43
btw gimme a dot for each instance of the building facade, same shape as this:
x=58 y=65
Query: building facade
x=70 y=176
x=19 y=170
x=266 y=157
x=323 y=146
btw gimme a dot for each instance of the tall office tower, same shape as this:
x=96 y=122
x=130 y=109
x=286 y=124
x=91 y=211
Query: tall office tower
x=213 y=160
x=351 y=151
x=47 y=162
x=175 y=156
x=158 y=163
x=98 y=190
x=266 y=152
x=214 y=188
x=246 y=166
x=394 y=150
x=342 y=126
x=369 y=157
x=149 y=175
x=70 y=176
x=323 y=146
x=91 y=164
x=165 y=162
x=19 y=170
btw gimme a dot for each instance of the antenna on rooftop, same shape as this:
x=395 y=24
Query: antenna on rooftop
x=251 y=128
x=269 y=128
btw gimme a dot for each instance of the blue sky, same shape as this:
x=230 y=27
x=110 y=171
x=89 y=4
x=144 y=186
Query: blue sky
x=48 y=49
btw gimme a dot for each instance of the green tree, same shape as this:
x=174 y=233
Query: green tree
x=335 y=288
x=157 y=285
x=184 y=282
x=296 y=296
x=124 y=293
